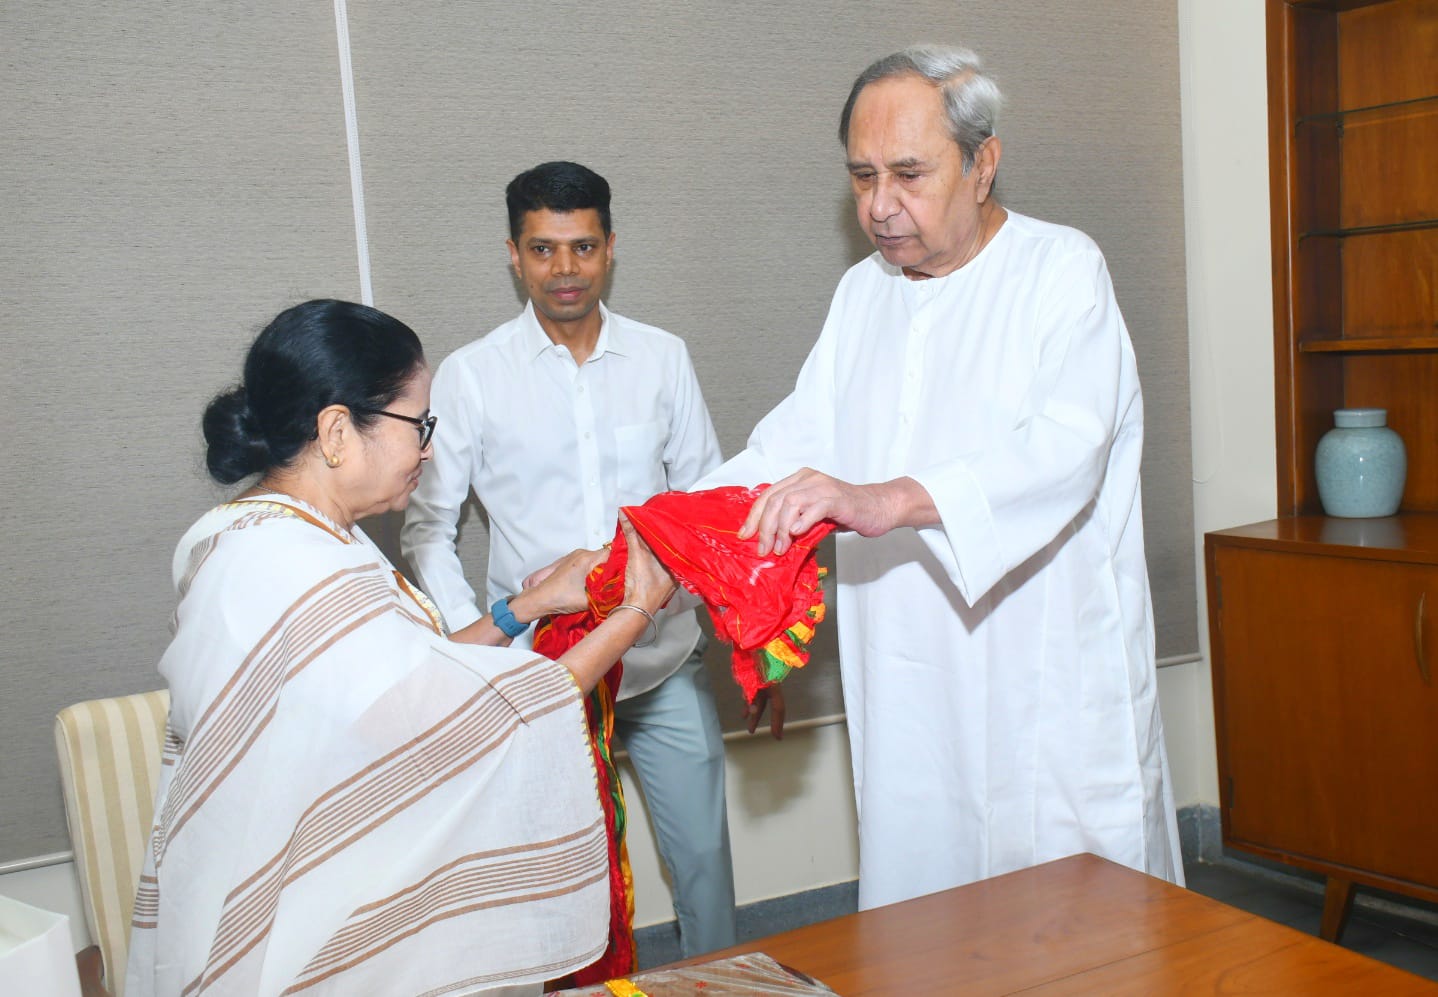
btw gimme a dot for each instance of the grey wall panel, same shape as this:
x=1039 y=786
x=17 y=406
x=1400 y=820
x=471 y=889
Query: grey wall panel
x=172 y=175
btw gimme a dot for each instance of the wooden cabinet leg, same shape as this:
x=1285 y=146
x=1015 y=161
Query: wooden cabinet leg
x=1337 y=903
x=91 y=967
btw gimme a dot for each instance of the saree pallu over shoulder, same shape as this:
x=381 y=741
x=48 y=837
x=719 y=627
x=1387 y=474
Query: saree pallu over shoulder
x=351 y=803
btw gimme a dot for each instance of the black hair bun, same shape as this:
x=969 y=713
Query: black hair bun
x=237 y=446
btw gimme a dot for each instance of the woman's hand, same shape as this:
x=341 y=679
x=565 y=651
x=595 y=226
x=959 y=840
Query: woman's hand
x=647 y=583
x=646 y=586
x=559 y=588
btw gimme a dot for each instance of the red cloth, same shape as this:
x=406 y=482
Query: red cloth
x=554 y=636
x=758 y=604
x=766 y=607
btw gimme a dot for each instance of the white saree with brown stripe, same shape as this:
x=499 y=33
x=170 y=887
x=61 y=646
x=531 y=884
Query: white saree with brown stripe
x=351 y=803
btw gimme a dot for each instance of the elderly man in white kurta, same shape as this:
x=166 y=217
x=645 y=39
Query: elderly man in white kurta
x=971 y=415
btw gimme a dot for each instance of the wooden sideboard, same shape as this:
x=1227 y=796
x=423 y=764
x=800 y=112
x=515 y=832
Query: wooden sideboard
x=1324 y=638
x=1322 y=629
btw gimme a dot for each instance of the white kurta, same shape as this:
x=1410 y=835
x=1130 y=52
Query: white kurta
x=998 y=669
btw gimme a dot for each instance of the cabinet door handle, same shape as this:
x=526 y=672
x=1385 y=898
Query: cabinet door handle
x=1418 y=642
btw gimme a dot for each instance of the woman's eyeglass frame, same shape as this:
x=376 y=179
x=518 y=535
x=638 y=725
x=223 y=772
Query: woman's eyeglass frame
x=423 y=425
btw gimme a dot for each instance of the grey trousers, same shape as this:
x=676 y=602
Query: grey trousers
x=672 y=736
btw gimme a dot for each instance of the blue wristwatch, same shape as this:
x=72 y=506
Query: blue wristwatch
x=505 y=620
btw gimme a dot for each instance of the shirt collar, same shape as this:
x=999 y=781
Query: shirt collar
x=611 y=337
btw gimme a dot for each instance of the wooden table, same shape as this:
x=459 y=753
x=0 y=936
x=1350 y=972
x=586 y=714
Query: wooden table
x=1081 y=925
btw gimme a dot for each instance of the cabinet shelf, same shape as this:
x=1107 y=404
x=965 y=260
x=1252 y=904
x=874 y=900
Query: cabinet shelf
x=1420 y=104
x=1376 y=344
x=1353 y=141
x=1417 y=225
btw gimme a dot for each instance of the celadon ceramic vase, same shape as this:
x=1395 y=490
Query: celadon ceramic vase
x=1361 y=465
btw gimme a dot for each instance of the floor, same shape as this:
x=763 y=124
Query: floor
x=1391 y=929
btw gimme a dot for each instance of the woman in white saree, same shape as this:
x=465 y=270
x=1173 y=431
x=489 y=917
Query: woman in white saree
x=352 y=800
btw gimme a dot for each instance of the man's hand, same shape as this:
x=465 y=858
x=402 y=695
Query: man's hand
x=773 y=697
x=794 y=505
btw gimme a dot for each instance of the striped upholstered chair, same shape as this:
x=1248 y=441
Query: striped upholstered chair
x=109 y=768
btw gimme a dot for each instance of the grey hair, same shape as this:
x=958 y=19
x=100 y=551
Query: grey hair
x=971 y=99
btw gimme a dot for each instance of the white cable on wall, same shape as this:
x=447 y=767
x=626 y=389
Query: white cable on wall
x=347 y=84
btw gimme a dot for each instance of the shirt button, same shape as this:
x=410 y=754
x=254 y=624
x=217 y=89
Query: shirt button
x=586 y=436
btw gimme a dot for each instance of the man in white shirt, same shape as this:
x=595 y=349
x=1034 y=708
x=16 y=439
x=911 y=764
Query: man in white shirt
x=556 y=419
x=971 y=413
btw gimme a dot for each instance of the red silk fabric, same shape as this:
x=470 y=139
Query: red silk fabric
x=760 y=605
x=765 y=607
x=753 y=600
x=554 y=636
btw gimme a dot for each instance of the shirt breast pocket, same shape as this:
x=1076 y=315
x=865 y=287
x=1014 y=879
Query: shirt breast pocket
x=639 y=454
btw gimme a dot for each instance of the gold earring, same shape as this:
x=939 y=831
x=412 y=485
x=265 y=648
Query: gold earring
x=332 y=460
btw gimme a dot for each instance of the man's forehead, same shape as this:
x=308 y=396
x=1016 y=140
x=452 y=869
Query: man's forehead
x=901 y=162
x=898 y=121
x=546 y=225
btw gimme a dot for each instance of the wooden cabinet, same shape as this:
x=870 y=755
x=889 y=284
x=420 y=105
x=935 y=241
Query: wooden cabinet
x=1322 y=629
x=1353 y=157
x=1324 y=641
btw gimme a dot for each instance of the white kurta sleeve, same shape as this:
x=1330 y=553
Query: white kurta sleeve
x=1002 y=504
x=431 y=522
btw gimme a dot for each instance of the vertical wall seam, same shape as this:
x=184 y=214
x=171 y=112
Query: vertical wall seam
x=347 y=85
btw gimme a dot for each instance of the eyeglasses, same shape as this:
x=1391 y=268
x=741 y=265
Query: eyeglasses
x=424 y=426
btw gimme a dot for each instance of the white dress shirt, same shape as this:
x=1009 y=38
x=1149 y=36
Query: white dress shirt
x=553 y=449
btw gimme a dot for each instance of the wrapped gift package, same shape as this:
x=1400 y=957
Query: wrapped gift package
x=738 y=976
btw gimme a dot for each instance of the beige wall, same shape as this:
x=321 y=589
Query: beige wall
x=1230 y=313
x=791 y=818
